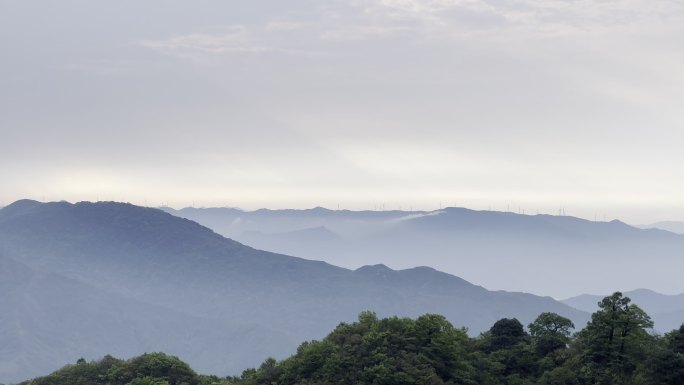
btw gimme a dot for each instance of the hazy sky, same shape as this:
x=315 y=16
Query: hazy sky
x=480 y=103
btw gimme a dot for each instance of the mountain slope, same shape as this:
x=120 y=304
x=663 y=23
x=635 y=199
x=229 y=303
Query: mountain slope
x=163 y=262
x=48 y=319
x=533 y=253
x=672 y=226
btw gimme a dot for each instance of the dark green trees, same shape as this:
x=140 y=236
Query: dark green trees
x=511 y=356
x=615 y=341
x=506 y=333
x=665 y=362
x=614 y=348
x=154 y=366
x=148 y=369
x=675 y=340
x=663 y=367
x=428 y=350
x=148 y=381
x=550 y=332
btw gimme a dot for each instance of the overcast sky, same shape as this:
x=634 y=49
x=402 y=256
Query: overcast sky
x=538 y=104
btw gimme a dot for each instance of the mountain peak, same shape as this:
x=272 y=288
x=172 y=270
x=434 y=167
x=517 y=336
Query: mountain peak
x=373 y=268
x=101 y=229
x=20 y=206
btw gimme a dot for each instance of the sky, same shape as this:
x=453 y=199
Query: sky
x=531 y=105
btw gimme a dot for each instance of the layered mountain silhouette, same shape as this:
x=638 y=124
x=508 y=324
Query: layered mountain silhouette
x=87 y=279
x=47 y=318
x=544 y=254
x=672 y=226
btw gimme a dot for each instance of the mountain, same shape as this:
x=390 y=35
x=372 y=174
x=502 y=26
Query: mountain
x=666 y=310
x=200 y=295
x=233 y=222
x=310 y=241
x=671 y=226
x=48 y=319
x=429 y=350
x=541 y=254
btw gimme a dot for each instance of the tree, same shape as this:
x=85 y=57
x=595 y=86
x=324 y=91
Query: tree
x=506 y=333
x=148 y=381
x=663 y=367
x=559 y=376
x=550 y=332
x=614 y=340
x=443 y=345
x=155 y=365
x=665 y=362
x=510 y=352
x=675 y=339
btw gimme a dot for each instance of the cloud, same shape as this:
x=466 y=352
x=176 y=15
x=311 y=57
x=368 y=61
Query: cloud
x=234 y=39
x=429 y=21
x=529 y=18
x=409 y=217
x=429 y=98
x=364 y=32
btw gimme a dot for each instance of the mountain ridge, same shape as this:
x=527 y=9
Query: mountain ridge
x=155 y=258
x=48 y=318
x=671 y=226
x=480 y=246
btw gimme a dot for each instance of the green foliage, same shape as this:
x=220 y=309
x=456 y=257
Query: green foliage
x=214 y=380
x=663 y=367
x=561 y=375
x=615 y=340
x=675 y=340
x=148 y=369
x=82 y=373
x=153 y=365
x=506 y=333
x=428 y=350
x=550 y=332
x=148 y=381
x=614 y=348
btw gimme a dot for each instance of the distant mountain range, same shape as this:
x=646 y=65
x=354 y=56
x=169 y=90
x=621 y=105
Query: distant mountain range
x=87 y=279
x=672 y=226
x=544 y=254
x=666 y=310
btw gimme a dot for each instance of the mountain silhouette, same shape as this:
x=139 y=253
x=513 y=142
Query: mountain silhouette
x=175 y=272
x=548 y=254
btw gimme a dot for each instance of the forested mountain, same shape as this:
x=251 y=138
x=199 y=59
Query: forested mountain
x=148 y=273
x=548 y=254
x=47 y=318
x=615 y=347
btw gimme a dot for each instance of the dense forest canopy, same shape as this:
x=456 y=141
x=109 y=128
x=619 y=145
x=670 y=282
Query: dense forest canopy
x=615 y=347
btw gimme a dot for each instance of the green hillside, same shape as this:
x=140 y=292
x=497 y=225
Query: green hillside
x=615 y=347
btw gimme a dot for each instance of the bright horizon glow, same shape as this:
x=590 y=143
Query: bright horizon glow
x=408 y=103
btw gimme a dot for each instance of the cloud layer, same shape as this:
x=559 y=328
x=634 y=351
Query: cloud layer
x=480 y=103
